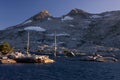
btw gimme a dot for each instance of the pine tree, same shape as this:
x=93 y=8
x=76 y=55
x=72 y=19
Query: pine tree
x=5 y=48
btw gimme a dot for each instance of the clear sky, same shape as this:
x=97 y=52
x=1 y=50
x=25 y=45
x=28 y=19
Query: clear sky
x=13 y=12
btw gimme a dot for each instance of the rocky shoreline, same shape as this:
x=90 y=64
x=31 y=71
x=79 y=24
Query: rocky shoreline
x=18 y=57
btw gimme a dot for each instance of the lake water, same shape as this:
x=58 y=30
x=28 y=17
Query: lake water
x=61 y=70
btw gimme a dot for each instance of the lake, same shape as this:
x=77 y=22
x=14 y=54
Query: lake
x=63 y=69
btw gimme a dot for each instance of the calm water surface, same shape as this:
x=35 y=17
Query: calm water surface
x=61 y=70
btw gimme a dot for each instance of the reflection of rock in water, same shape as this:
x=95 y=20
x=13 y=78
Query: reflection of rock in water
x=62 y=69
x=106 y=59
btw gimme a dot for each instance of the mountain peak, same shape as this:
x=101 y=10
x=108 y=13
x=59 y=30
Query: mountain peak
x=41 y=15
x=44 y=12
x=76 y=11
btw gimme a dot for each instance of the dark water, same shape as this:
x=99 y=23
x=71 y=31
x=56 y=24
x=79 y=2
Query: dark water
x=61 y=70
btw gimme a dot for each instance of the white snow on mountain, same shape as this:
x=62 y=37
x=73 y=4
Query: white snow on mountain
x=74 y=39
x=67 y=18
x=35 y=28
x=96 y=16
x=49 y=19
x=88 y=22
x=58 y=35
x=107 y=15
x=72 y=25
x=29 y=21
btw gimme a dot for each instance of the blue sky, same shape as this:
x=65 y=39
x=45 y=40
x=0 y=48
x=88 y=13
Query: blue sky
x=13 y=12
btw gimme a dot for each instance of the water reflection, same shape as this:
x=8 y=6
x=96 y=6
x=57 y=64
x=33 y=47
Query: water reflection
x=61 y=70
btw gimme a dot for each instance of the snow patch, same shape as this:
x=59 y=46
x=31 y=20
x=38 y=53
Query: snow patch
x=67 y=18
x=88 y=22
x=49 y=19
x=58 y=35
x=74 y=39
x=72 y=25
x=96 y=16
x=29 y=21
x=107 y=15
x=35 y=28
